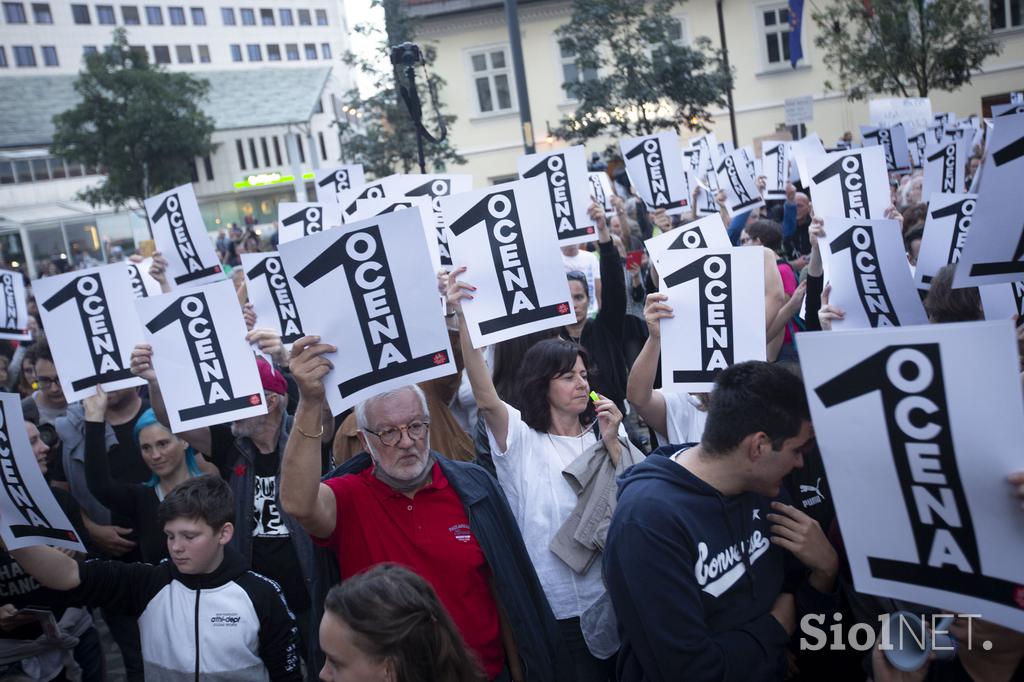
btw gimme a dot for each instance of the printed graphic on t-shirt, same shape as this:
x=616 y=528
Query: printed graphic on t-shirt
x=718 y=570
x=811 y=495
x=266 y=517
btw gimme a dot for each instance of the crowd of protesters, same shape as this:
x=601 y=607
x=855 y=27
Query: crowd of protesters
x=511 y=522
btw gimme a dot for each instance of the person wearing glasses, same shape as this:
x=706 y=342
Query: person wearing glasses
x=401 y=502
x=48 y=400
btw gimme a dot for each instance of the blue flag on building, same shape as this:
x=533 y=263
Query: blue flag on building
x=796 y=18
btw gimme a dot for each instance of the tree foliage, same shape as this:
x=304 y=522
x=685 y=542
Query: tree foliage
x=140 y=124
x=639 y=79
x=903 y=47
x=379 y=133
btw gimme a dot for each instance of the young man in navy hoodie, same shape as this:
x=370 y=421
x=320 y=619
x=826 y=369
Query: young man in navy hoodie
x=707 y=565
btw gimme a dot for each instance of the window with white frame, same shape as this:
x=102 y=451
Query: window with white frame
x=773 y=22
x=1006 y=14
x=571 y=73
x=491 y=80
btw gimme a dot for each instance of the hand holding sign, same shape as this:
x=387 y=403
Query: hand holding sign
x=181 y=235
x=309 y=367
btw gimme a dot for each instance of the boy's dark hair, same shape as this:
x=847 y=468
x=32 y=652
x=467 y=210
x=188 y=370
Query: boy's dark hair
x=40 y=350
x=946 y=304
x=203 y=498
x=751 y=397
x=543 y=362
x=912 y=234
x=768 y=232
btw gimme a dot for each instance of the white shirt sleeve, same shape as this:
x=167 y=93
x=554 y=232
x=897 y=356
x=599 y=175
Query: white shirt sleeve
x=508 y=463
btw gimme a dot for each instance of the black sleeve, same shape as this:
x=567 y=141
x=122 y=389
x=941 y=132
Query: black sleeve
x=812 y=302
x=222 y=446
x=279 y=635
x=120 y=498
x=126 y=586
x=71 y=509
x=613 y=289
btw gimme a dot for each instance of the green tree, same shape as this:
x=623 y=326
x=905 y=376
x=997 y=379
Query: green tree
x=637 y=76
x=379 y=132
x=139 y=123
x=903 y=47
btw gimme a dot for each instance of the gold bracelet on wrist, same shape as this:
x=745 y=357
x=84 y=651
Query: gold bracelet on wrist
x=310 y=435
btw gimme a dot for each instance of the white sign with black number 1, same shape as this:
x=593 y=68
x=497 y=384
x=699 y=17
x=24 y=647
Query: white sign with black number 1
x=14 y=324
x=181 y=236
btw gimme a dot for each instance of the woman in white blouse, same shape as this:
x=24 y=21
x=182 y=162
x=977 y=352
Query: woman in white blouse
x=556 y=424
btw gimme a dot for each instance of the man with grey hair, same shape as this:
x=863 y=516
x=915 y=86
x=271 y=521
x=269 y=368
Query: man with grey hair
x=400 y=501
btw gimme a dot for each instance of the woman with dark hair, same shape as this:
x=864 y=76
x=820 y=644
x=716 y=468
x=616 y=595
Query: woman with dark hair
x=553 y=435
x=388 y=624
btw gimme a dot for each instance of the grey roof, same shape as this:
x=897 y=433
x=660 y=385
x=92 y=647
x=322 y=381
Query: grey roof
x=242 y=98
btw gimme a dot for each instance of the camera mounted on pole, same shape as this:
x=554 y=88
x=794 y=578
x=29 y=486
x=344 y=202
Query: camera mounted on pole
x=406 y=56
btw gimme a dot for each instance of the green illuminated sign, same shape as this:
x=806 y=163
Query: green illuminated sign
x=263 y=179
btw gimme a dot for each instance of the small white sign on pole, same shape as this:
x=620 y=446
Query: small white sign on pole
x=92 y=328
x=917 y=469
x=871 y=281
x=270 y=293
x=506 y=238
x=850 y=184
x=799 y=110
x=181 y=236
x=142 y=282
x=565 y=171
x=705 y=233
x=1002 y=301
x=945 y=168
x=380 y=280
x=655 y=167
x=717 y=296
x=735 y=177
x=14 y=325
x=435 y=187
x=296 y=220
x=945 y=233
x=333 y=179
x=29 y=514
x=206 y=370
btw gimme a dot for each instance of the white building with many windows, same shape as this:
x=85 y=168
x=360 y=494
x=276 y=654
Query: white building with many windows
x=472 y=43
x=275 y=76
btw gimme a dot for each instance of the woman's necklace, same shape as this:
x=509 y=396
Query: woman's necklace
x=578 y=437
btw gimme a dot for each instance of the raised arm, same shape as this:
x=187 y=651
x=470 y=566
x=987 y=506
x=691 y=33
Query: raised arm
x=49 y=566
x=640 y=393
x=488 y=403
x=142 y=366
x=111 y=493
x=613 y=288
x=303 y=496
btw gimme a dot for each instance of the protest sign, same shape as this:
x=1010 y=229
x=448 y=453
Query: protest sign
x=708 y=146
x=916 y=145
x=142 y=282
x=565 y=172
x=704 y=233
x=92 y=328
x=944 y=168
x=801 y=151
x=655 y=167
x=693 y=161
x=1002 y=301
x=422 y=214
x=333 y=179
x=850 y=184
x=349 y=198
x=775 y=166
x=433 y=186
x=271 y=296
x=915 y=113
x=717 y=296
x=945 y=232
x=206 y=370
x=506 y=238
x=181 y=236
x=29 y=514
x=994 y=251
x=870 y=278
x=379 y=277
x=601 y=190
x=799 y=110
x=735 y=177
x=301 y=219
x=917 y=470
x=15 y=320
x=1000 y=110
x=893 y=141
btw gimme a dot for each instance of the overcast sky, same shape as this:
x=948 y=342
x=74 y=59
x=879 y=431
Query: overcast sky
x=359 y=12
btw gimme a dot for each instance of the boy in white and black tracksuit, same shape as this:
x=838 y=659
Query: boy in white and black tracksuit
x=202 y=614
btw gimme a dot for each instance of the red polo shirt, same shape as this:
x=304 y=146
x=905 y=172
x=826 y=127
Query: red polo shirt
x=429 y=534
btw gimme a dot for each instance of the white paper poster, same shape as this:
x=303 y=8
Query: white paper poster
x=945 y=233
x=655 y=167
x=717 y=298
x=708 y=146
x=349 y=198
x=333 y=179
x=300 y=219
x=270 y=293
x=850 y=184
x=506 y=238
x=735 y=177
x=181 y=236
x=893 y=141
x=29 y=514
x=206 y=370
x=705 y=233
x=434 y=187
x=917 y=144
x=601 y=190
x=802 y=150
x=945 y=168
x=92 y=328
x=994 y=251
x=565 y=172
x=871 y=281
x=1002 y=301
x=383 y=316
x=915 y=113
x=422 y=215
x=142 y=282
x=775 y=167
x=918 y=468
x=15 y=319
x=999 y=110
